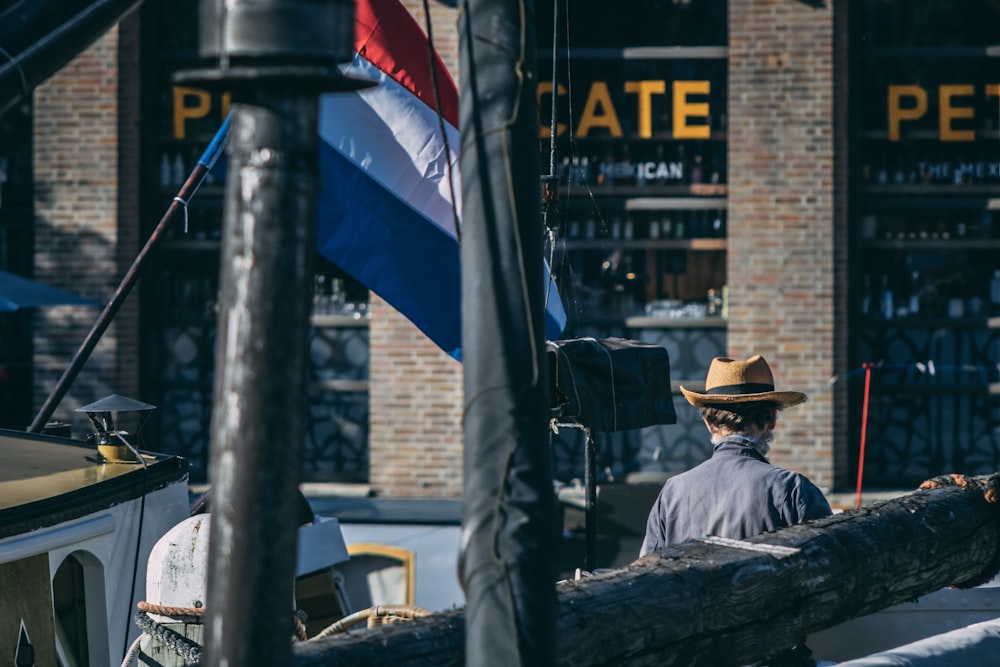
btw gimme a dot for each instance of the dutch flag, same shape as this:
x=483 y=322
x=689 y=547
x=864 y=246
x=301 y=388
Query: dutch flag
x=386 y=213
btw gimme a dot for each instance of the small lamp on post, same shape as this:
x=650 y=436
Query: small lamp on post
x=113 y=443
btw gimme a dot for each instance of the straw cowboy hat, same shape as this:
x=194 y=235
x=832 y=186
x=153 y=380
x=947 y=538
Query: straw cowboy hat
x=732 y=381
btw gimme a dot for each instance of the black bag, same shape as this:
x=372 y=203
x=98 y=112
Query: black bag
x=609 y=384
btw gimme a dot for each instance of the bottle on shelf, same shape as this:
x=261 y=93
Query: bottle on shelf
x=574 y=229
x=866 y=297
x=624 y=169
x=682 y=161
x=886 y=306
x=662 y=172
x=166 y=175
x=680 y=232
x=913 y=304
x=606 y=169
x=986 y=225
x=995 y=293
x=696 y=170
x=882 y=175
x=714 y=303
x=654 y=227
x=719 y=224
x=716 y=172
x=179 y=173
x=667 y=226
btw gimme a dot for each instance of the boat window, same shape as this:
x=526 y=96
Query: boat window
x=379 y=574
x=69 y=607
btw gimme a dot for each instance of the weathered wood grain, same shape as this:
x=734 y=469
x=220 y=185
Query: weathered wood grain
x=708 y=604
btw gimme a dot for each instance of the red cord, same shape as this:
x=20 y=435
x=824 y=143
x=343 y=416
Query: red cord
x=864 y=429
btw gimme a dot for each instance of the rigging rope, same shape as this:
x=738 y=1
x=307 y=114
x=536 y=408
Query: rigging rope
x=184 y=205
x=550 y=183
x=377 y=615
x=432 y=61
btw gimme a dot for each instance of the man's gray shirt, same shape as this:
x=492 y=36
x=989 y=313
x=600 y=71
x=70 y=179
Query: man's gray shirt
x=736 y=493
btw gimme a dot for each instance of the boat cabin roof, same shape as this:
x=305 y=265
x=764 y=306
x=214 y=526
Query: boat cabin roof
x=46 y=479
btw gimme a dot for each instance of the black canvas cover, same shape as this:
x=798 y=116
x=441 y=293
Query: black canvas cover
x=610 y=384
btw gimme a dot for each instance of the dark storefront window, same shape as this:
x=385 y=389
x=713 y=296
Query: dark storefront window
x=178 y=317
x=639 y=232
x=927 y=236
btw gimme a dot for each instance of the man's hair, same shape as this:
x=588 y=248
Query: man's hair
x=736 y=417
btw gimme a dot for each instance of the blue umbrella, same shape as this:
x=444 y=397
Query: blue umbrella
x=17 y=292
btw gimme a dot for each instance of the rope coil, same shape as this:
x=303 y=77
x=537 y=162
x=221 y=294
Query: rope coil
x=176 y=642
x=377 y=615
x=190 y=650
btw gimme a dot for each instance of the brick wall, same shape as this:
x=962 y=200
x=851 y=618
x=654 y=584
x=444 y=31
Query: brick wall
x=415 y=390
x=83 y=212
x=781 y=213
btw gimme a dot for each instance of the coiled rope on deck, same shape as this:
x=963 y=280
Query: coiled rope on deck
x=190 y=650
x=176 y=642
x=377 y=615
x=186 y=648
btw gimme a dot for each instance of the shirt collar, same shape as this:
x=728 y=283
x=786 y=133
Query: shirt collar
x=742 y=445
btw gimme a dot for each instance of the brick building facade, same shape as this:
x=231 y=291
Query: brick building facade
x=781 y=239
x=781 y=300
x=782 y=224
x=791 y=252
x=86 y=175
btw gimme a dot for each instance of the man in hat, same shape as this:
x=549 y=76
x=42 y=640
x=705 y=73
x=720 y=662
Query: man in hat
x=737 y=492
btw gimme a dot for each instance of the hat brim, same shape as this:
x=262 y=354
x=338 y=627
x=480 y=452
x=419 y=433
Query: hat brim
x=785 y=399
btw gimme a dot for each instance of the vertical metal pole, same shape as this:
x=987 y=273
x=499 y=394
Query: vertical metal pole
x=275 y=57
x=258 y=412
x=590 y=501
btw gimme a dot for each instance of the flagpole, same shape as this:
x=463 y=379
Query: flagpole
x=180 y=202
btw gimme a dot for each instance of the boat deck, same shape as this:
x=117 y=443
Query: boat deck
x=48 y=476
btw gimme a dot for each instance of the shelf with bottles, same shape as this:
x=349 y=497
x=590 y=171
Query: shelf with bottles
x=942 y=388
x=650 y=229
x=928 y=226
x=338 y=299
x=892 y=168
x=176 y=161
x=933 y=292
x=189 y=295
x=620 y=283
x=644 y=167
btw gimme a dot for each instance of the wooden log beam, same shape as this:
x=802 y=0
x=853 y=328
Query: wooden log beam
x=714 y=602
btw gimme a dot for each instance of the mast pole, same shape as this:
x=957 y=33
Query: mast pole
x=507 y=563
x=276 y=57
